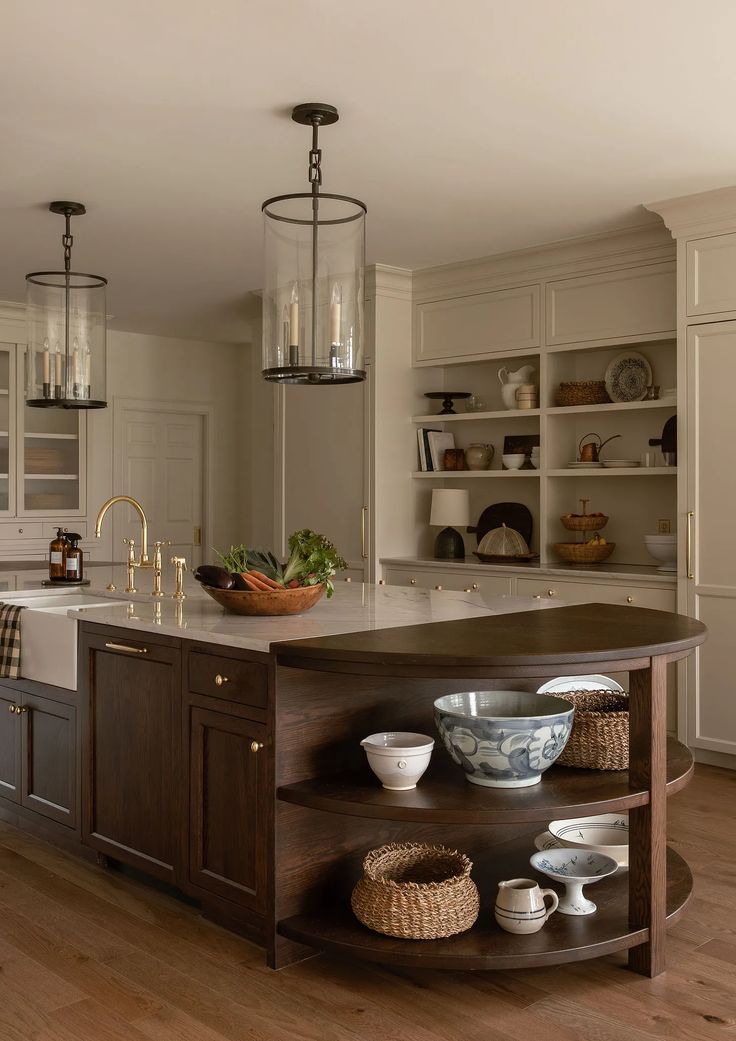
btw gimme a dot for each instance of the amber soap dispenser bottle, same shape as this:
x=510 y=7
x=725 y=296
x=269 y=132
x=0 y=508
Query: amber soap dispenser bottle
x=57 y=556
x=74 y=558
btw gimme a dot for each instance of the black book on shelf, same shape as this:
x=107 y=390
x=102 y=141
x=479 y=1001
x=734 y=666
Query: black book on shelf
x=426 y=431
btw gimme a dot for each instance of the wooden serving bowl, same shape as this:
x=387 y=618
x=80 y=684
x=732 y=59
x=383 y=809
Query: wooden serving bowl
x=271 y=602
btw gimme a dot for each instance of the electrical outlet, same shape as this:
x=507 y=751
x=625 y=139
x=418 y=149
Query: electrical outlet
x=663 y=527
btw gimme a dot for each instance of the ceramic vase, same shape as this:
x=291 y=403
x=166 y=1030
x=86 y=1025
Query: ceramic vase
x=479 y=456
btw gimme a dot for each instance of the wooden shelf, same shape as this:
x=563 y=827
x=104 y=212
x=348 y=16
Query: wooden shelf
x=51 y=477
x=614 y=406
x=610 y=471
x=564 y=938
x=473 y=474
x=514 y=413
x=443 y=796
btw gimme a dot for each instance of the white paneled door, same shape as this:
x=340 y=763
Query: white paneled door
x=160 y=462
x=710 y=559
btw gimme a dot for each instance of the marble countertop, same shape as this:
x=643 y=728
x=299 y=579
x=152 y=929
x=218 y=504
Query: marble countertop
x=355 y=608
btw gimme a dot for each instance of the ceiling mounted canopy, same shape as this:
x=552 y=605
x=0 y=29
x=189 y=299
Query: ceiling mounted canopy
x=314 y=267
x=66 y=333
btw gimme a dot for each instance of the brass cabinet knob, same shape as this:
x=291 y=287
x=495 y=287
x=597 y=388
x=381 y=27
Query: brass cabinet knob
x=537 y=596
x=382 y=581
x=551 y=592
x=256 y=746
x=629 y=599
x=219 y=680
x=12 y=708
x=412 y=581
x=21 y=709
x=348 y=579
x=438 y=588
x=20 y=531
x=467 y=590
x=475 y=585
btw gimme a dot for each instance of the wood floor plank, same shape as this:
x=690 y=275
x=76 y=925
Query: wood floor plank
x=93 y=955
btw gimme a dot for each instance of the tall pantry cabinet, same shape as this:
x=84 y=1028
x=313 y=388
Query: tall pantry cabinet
x=705 y=228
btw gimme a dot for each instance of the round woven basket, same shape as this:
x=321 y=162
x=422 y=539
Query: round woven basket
x=584 y=552
x=584 y=522
x=600 y=730
x=416 y=892
x=583 y=392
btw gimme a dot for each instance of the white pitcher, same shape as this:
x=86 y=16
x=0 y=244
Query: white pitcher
x=521 y=905
x=511 y=381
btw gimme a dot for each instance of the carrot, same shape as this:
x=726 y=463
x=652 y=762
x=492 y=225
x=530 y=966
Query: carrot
x=253 y=583
x=270 y=582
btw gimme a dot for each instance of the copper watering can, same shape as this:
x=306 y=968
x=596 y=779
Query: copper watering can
x=590 y=451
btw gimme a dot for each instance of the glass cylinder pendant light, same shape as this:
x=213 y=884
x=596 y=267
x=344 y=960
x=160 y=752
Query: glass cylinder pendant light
x=66 y=331
x=314 y=268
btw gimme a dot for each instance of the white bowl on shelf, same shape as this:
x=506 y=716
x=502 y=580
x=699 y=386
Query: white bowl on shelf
x=398 y=758
x=664 y=549
x=513 y=460
x=606 y=833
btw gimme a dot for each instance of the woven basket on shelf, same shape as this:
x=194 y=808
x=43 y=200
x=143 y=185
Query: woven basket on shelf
x=584 y=522
x=584 y=552
x=416 y=892
x=600 y=730
x=583 y=392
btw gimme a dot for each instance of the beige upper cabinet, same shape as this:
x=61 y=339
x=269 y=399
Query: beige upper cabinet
x=634 y=302
x=469 y=328
x=711 y=263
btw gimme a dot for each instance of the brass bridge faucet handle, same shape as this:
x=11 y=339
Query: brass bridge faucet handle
x=157 y=566
x=180 y=563
x=130 y=588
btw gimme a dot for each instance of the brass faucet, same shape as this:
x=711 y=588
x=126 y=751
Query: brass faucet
x=142 y=561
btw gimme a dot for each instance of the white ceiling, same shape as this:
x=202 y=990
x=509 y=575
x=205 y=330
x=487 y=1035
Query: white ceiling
x=469 y=128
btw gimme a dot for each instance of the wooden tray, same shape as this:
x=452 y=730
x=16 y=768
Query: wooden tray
x=276 y=602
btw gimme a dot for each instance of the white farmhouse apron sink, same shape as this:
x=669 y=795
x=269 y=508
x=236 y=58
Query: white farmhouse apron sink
x=48 y=636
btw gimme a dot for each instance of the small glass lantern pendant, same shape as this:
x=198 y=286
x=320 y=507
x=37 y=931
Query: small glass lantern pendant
x=66 y=331
x=314 y=277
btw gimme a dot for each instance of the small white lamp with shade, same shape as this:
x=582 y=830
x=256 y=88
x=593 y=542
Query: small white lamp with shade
x=450 y=509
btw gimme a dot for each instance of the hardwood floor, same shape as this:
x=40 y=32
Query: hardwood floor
x=86 y=955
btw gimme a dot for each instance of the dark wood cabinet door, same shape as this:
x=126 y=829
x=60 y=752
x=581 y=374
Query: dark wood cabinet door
x=133 y=785
x=49 y=759
x=10 y=727
x=227 y=792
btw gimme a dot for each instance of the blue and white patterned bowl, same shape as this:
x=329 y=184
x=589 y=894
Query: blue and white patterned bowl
x=503 y=738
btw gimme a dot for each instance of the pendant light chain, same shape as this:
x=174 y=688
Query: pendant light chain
x=67 y=240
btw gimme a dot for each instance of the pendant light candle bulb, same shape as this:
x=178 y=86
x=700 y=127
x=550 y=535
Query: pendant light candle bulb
x=335 y=314
x=294 y=317
x=46 y=362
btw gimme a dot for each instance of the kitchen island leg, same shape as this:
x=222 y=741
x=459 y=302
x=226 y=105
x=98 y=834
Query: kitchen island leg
x=648 y=824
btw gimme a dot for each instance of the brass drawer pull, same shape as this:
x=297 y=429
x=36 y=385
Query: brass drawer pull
x=412 y=581
x=256 y=746
x=689 y=546
x=475 y=585
x=537 y=596
x=219 y=680
x=629 y=599
x=438 y=588
x=124 y=647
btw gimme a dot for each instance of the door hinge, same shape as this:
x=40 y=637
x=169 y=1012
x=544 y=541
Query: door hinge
x=197 y=536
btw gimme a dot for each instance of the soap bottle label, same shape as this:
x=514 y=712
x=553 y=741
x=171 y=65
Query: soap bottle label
x=57 y=557
x=72 y=564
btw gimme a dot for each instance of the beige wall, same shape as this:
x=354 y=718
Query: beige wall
x=159 y=368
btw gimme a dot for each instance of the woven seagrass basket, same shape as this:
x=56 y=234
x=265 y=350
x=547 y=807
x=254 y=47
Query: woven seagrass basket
x=600 y=730
x=416 y=892
x=582 y=392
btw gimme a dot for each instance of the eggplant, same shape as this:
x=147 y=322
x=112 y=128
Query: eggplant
x=214 y=576
x=238 y=582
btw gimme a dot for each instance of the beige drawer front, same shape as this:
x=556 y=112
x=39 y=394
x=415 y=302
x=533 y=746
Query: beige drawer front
x=498 y=585
x=49 y=528
x=22 y=530
x=598 y=592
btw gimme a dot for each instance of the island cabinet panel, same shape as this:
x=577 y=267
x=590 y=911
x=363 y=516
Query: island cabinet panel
x=228 y=806
x=631 y=302
x=133 y=783
x=10 y=753
x=50 y=759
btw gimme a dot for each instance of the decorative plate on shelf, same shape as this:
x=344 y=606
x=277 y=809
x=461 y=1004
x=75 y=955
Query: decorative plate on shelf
x=628 y=376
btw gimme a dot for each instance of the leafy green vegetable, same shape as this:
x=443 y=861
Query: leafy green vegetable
x=312 y=559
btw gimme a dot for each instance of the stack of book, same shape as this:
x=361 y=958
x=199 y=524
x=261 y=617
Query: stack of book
x=432 y=446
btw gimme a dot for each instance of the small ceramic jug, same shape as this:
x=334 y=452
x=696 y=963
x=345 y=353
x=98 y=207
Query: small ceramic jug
x=479 y=456
x=520 y=905
x=511 y=381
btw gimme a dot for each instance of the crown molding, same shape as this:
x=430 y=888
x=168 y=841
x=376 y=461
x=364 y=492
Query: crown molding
x=648 y=243
x=705 y=213
x=12 y=321
x=385 y=280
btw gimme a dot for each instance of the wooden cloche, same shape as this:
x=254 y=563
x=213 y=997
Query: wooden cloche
x=503 y=542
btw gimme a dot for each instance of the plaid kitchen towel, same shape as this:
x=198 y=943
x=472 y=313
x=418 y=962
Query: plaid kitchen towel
x=9 y=641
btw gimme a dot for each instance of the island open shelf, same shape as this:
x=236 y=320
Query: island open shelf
x=443 y=796
x=565 y=938
x=330 y=811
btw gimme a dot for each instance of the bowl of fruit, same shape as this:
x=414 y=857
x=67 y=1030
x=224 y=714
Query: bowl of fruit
x=584 y=521
x=594 y=551
x=254 y=582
